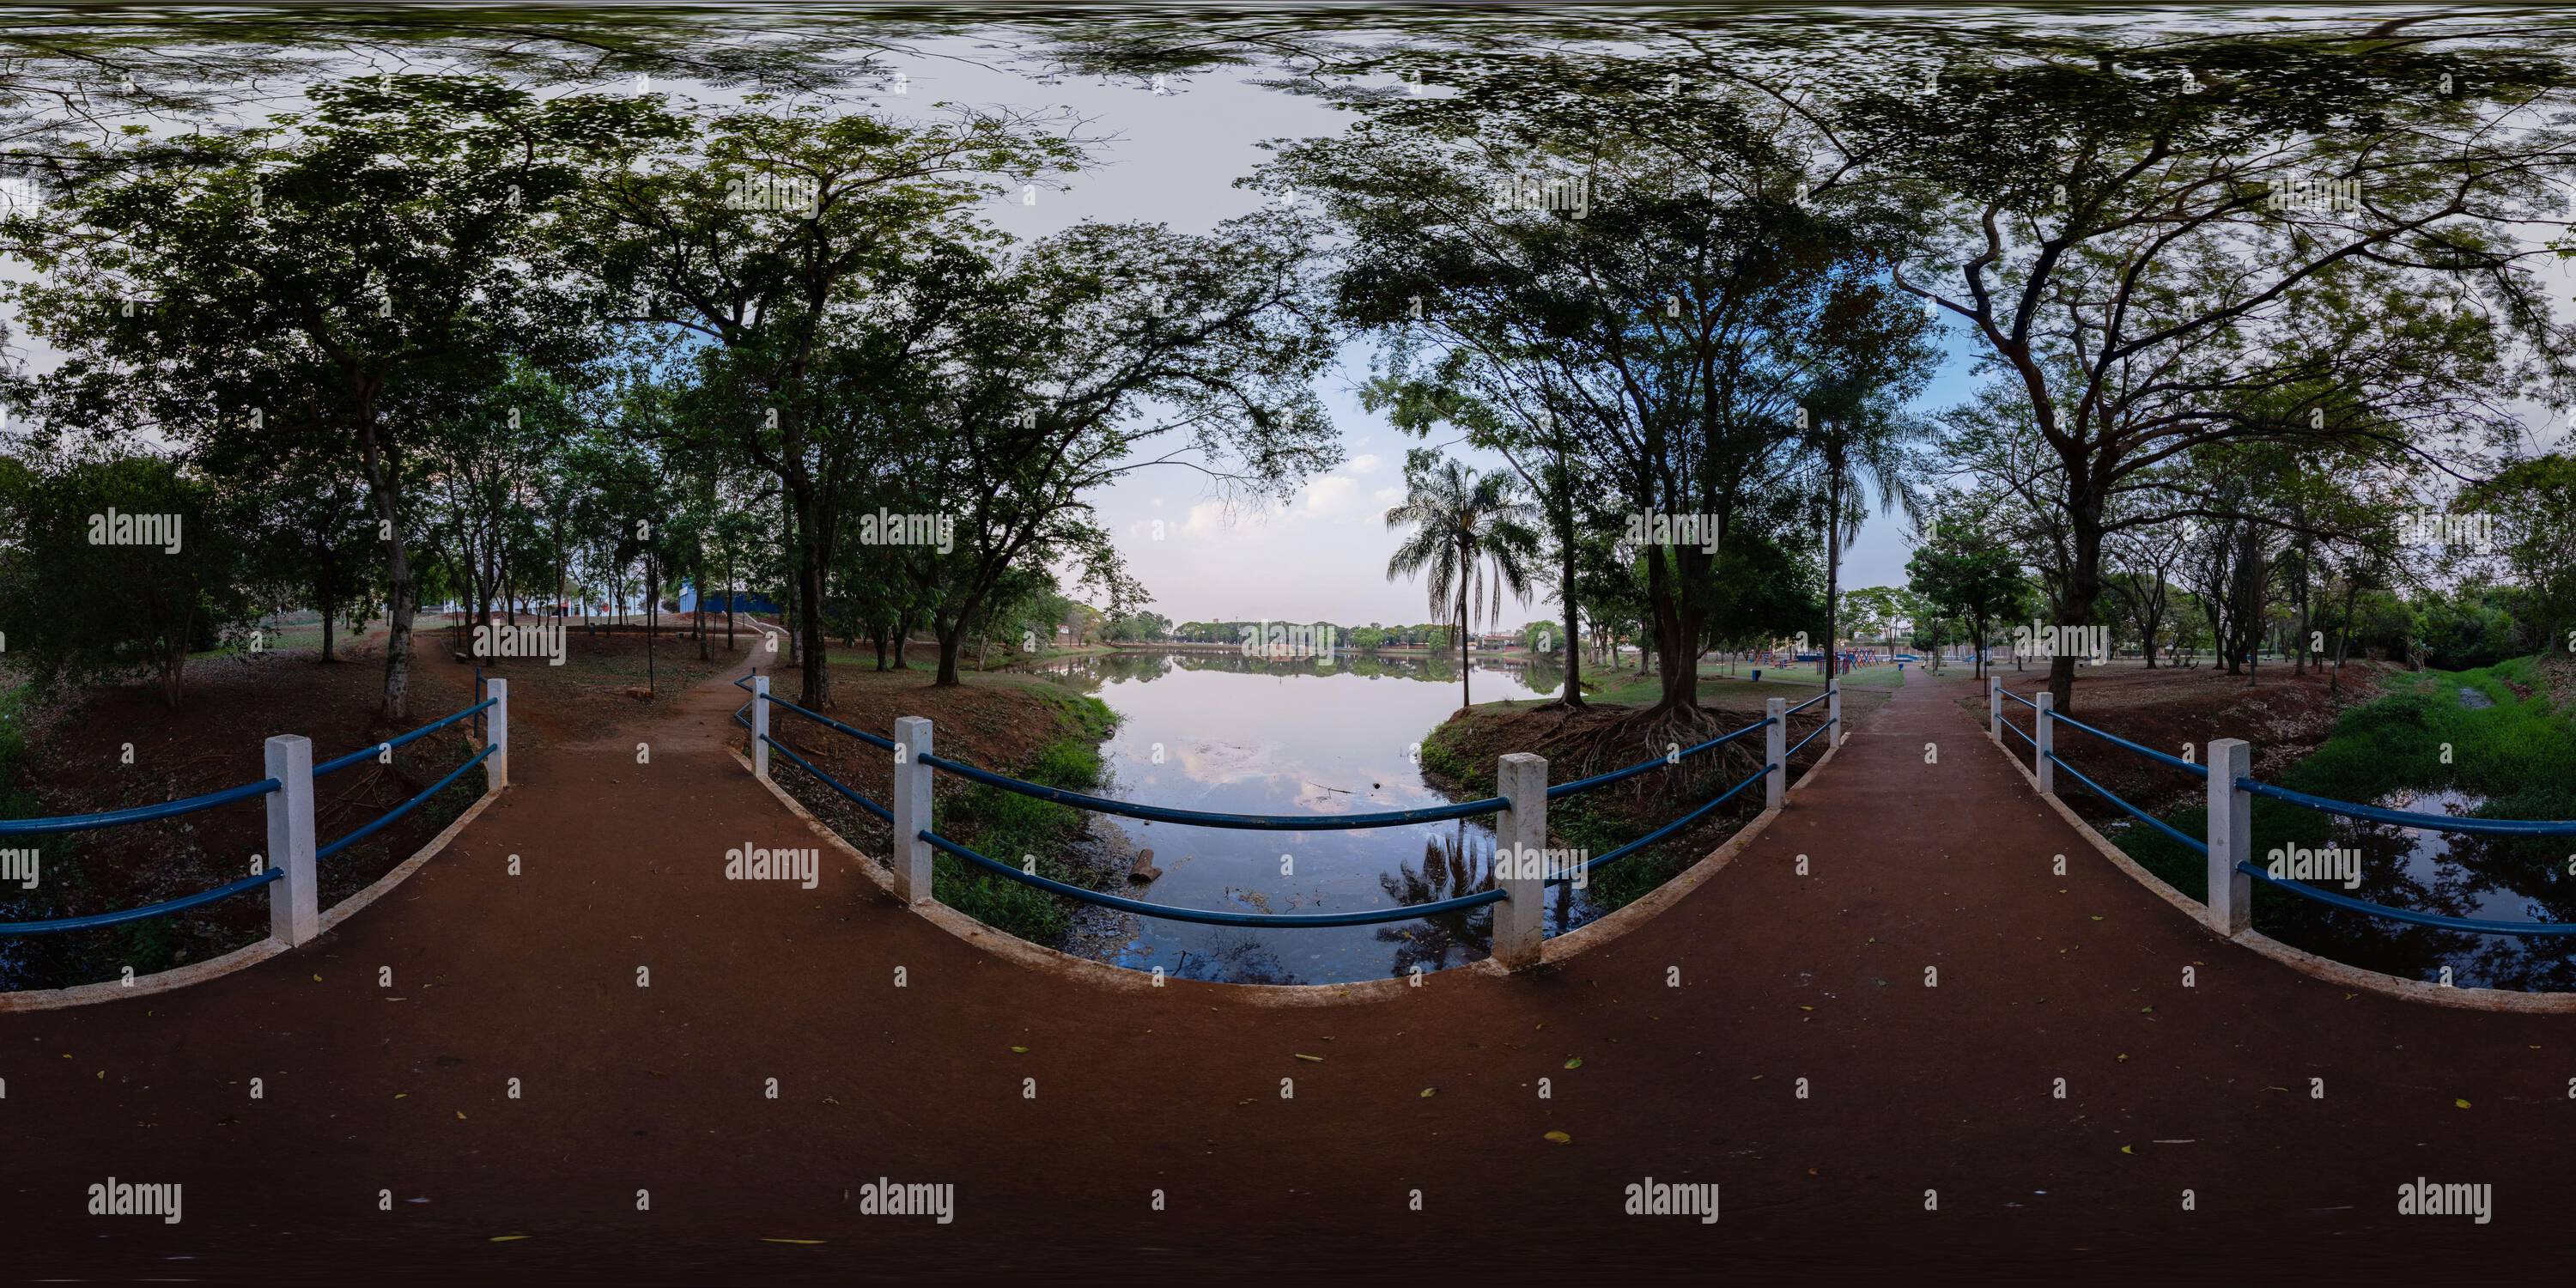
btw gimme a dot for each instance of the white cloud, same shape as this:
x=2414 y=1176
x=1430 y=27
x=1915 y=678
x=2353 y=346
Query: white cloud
x=1329 y=492
x=1364 y=463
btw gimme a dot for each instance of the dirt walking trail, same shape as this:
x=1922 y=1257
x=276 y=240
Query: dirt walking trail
x=1418 y=1143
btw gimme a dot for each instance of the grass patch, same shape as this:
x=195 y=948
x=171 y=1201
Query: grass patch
x=1012 y=828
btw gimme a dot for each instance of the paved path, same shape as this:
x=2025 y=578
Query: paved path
x=1058 y=1152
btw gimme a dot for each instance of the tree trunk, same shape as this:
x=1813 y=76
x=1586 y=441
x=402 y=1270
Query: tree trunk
x=1466 y=696
x=698 y=579
x=951 y=637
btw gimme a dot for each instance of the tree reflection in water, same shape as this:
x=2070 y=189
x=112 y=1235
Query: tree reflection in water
x=1459 y=863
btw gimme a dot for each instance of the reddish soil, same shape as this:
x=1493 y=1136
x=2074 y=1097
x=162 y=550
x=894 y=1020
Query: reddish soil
x=1134 y=1135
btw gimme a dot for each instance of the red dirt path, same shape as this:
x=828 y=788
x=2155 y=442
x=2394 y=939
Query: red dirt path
x=1178 y=1090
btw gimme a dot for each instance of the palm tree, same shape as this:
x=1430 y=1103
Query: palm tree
x=1868 y=443
x=1470 y=532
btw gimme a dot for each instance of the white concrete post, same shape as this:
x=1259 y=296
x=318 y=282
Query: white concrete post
x=1520 y=853
x=496 y=735
x=294 y=908
x=2231 y=836
x=1775 y=753
x=1834 y=712
x=760 y=727
x=2040 y=764
x=1995 y=707
x=911 y=857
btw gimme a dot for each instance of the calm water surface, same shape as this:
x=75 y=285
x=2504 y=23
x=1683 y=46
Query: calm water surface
x=1227 y=733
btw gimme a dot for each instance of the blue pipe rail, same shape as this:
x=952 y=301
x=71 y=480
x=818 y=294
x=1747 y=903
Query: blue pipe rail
x=406 y=807
x=1818 y=732
x=882 y=813
x=2151 y=753
x=2402 y=818
x=2019 y=698
x=1616 y=775
x=2465 y=925
x=2134 y=812
x=1206 y=917
x=171 y=809
x=140 y=813
x=164 y=908
x=1669 y=829
x=2015 y=730
x=2345 y=809
x=1266 y=822
x=873 y=740
x=1809 y=703
x=377 y=749
x=1240 y=822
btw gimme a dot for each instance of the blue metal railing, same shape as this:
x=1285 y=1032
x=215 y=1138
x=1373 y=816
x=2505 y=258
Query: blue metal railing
x=2401 y=818
x=362 y=753
x=1603 y=780
x=1204 y=818
x=1263 y=822
x=2326 y=805
x=140 y=813
x=172 y=809
x=1672 y=828
x=2466 y=925
x=162 y=909
x=1206 y=917
x=383 y=820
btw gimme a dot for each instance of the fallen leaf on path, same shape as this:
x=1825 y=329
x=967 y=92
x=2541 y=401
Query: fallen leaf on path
x=2126 y=1150
x=1574 y=1062
x=1560 y=1138
x=1019 y=1050
x=508 y=1238
x=1426 y=1093
x=2461 y=1103
x=1303 y=1056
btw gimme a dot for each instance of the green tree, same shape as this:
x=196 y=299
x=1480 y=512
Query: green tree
x=1472 y=538
x=1960 y=571
x=112 y=564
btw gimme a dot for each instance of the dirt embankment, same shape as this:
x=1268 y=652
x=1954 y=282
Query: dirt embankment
x=2285 y=715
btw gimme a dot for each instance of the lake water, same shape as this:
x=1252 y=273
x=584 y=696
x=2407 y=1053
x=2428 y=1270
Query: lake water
x=1221 y=732
x=2486 y=878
